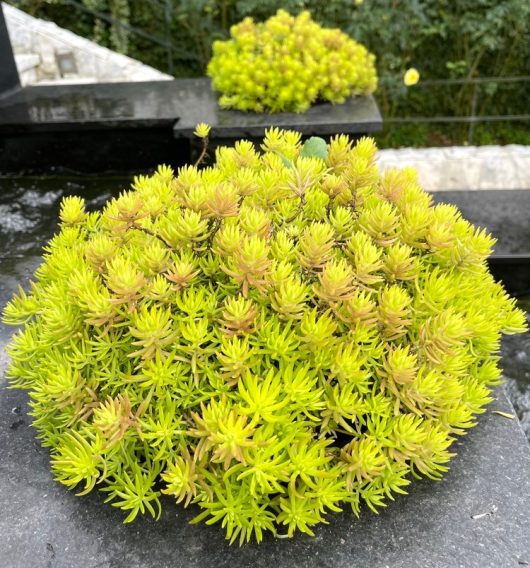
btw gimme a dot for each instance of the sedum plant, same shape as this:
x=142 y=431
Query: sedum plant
x=288 y=63
x=272 y=338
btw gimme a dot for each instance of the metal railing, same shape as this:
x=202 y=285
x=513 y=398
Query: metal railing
x=472 y=118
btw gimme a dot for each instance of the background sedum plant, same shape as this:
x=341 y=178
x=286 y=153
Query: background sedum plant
x=288 y=63
x=272 y=338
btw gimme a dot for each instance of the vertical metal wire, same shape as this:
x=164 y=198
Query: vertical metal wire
x=168 y=12
x=472 y=122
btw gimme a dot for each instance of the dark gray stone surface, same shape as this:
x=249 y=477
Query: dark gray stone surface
x=478 y=516
x=356 y=115
x=504 y=212
x=516 y=370
x=51 y=108
x=182 y=102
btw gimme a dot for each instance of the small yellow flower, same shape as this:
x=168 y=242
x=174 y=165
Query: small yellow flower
x=202 y=130
x=357 y=2
x=411 y=77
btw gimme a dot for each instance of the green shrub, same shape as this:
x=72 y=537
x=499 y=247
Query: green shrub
x=273 y=338
x=288 y=63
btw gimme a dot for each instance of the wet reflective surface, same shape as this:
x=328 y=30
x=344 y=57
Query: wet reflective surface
x=75 y=106
x=29 y=208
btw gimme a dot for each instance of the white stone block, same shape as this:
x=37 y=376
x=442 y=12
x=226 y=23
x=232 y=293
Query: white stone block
x=464 y=167
x=31 y=35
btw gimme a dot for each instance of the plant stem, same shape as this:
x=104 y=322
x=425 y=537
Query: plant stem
x=152 y=234
x=203 y=152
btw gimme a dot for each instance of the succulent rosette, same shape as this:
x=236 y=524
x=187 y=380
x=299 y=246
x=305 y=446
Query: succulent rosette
x=289 y=63
x=272 y=338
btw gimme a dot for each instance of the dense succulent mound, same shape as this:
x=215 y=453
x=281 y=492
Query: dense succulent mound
x=288 y=63
x=272 y=338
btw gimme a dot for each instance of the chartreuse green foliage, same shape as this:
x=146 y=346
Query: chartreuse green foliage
x=272 y=338
x=288 y=63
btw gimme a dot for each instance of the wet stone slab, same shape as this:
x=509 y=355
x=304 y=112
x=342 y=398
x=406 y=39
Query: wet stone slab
x=358 y=115
x=477 y=516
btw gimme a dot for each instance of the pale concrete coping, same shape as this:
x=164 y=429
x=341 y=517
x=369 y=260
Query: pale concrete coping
x=464 y=167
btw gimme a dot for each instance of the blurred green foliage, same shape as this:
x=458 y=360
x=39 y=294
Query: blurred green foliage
x=441 y=38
